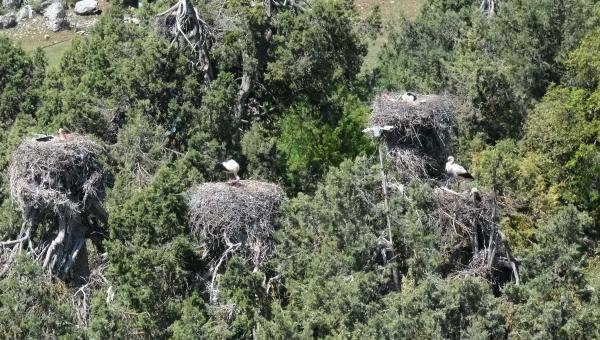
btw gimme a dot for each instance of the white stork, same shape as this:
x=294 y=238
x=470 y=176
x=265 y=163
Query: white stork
x=409 y=97
x=375 y=131
x=232 y=168
x=64 y=135
x=476 y=196
x=456 y=170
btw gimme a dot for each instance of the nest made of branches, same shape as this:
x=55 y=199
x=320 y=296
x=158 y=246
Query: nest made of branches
x=409 y=164
x=242 y=215
x=56 y=175
x=473 y=217
x=421 y=125
x=462 y=211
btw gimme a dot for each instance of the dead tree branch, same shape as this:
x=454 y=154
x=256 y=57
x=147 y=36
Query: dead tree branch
x=183 y=26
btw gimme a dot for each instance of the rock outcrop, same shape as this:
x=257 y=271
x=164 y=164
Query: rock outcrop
x=56 y=17
x=86 y=7
x=8 y=21
x=26 y=12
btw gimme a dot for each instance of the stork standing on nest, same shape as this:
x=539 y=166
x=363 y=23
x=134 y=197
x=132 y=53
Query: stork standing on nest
x=475 y=196
x=456 y=170
x=64 y=135
x=409 y=97
x=232 y=168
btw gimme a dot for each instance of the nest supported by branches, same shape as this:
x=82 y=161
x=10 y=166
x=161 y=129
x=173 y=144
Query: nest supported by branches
x=59 y=184
x=409 y=164
x=473 y=216
x=183 y=26
x=238 y=219
x=421 y=126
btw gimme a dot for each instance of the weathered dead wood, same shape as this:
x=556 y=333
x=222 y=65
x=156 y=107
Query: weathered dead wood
x=183 y=26
x=489 y=6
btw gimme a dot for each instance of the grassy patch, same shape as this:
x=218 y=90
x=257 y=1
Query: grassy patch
x=54 y=47
x=391 y=11
x=54 y=50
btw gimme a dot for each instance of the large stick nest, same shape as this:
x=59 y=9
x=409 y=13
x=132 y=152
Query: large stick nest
x=58 y=181
x=473 y=217
x=56 y=175
x=462 y=212
x=242 y=216
x=409 y=164
x=422 y=125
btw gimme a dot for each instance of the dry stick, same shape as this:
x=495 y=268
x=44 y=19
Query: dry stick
x=71 y=259
x=395 y=277
x=231 y=249
x=493 y=234
x=270 y=282
x=62 y=227
x=8 y=243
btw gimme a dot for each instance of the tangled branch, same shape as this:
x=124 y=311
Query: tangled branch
x=182 y=25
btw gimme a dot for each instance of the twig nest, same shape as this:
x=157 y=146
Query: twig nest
x=223 y=215
x=465 y=212
x=473 y=217
x=409 y=164
x=422 y=124
x=56 y=175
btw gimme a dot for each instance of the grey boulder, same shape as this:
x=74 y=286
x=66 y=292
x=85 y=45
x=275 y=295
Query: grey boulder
x=26 y=12
x=56 y=17
x=10 y=4
x=86 y=7
x=8 y=21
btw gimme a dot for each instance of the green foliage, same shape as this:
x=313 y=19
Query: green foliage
x=564 y=131
x=154 y=215
x=310 y=142
x=243 y=292
x=555 y=301
x=440 y=309
x=286 y=101
x=415 y=54
x=499 y=166
x=326 y=247
x=32 y=306
x=193 y=318
x=314 y=51
x=261 y=154
x=497 y=65
x=20 y=76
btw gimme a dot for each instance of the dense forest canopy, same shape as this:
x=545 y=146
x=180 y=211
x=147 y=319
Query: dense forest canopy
x=280 y=87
